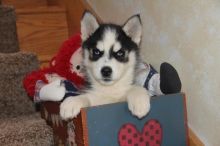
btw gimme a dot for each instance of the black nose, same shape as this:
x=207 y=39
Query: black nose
x=106 y=71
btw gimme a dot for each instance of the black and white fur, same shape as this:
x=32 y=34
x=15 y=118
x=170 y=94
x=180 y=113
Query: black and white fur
x=110 y=55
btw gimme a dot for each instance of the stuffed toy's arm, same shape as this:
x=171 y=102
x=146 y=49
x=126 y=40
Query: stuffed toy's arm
x=30 y=80
x=154 y=85
x=165 y=82
x=149 y=78
x=53 y=91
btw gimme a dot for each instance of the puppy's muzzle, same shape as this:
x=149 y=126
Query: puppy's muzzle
x=106 y=72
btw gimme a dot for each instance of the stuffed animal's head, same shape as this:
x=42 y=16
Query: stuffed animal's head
x=68 y=61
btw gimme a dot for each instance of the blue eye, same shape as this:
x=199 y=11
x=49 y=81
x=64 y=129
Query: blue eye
x=120 y=53
x=96 y=52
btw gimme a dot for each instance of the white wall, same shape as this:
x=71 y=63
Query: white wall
x=185 y=33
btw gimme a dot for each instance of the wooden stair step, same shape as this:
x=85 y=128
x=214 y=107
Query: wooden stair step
x=38 y=10
x=42 y=30
x=45 y=59
x=25 y=3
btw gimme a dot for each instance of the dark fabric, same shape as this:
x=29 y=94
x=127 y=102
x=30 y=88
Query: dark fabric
x=71 y=89
x=169 y=79
x=149 y=76
x=8 y=31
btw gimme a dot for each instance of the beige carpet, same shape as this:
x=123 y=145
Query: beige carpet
x=25 y=131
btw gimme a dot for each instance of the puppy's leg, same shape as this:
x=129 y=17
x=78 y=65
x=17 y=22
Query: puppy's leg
x=71 y=106
x=138 y=101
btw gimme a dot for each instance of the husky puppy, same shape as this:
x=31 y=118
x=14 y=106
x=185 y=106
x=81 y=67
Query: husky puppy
x=110 y=57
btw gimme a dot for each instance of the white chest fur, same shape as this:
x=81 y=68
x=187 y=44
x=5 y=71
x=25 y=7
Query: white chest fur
x=109 y=94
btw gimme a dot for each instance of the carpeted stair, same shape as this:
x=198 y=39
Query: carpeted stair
x=20 y=124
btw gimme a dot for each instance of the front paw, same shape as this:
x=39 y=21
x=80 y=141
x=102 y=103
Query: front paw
x=70 y=108
x=139 y=103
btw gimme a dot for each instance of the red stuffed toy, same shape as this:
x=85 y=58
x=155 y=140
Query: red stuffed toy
x=62 y=78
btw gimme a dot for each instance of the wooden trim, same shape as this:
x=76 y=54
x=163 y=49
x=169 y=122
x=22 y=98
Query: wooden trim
x=186 y=119
x=194 y=140
x=75 y=9
x=89 y=7
x=85 y=128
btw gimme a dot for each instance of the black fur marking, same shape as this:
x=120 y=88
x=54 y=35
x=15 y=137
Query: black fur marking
x=111 y=53
x=126 y=42
x=120 y=55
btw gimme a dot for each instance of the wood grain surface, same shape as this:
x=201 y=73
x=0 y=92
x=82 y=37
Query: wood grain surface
x=42 y=30
x=55 y=3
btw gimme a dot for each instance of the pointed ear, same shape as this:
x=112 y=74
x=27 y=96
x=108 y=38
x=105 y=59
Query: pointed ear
x=133 y=28
x=88 y=25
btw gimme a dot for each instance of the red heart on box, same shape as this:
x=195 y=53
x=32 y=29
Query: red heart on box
x=151 y=134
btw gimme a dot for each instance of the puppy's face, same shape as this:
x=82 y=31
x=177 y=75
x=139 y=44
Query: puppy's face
x=109 y=50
